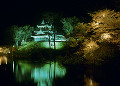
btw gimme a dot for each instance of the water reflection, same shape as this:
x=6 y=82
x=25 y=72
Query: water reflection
x=3 y=59
x=13 y=66
x=27 y=73
x=43 y=75
x=89 y=81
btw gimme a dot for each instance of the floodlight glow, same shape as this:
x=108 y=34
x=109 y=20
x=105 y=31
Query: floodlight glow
x=97 y=23
x=92 y=44
x=58 y=45
x=90 y=47
x=91 y=83
x=103 y=14
x=106 y=36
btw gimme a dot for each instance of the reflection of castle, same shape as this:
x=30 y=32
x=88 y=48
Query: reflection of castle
x=45 y=33
x=42 y=74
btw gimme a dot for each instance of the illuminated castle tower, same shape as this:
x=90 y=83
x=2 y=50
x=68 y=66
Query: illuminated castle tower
x=45 y=33
x=42 y=34
x=43 y=25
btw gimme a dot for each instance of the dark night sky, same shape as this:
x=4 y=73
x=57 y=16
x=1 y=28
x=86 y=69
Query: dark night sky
x=28 y=11
x=22 y=12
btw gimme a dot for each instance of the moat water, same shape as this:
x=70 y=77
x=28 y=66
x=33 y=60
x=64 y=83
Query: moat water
x=50 y=73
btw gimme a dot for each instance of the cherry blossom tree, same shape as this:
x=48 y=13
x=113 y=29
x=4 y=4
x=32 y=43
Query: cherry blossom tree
x=105 y=25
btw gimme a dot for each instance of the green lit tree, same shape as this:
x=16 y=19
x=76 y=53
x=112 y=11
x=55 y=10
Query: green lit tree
x=27 y=30
x=53 y=19
x=68 y=24
x=17 y=34
x=21 y=33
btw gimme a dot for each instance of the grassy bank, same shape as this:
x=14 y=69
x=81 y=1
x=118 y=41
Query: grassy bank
x=65 y=55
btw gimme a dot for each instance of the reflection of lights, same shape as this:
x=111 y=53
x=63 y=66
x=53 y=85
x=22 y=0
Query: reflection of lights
x=90 y=82
x=13 y=66
x=47 y=74
x=0 y=61
x=3 y=59
x=106 y=36
x=6 y=60
x=42 y=75
x=91 y=45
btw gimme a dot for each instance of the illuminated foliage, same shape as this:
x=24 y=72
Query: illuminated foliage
x=21 y=33
x=27 y=32
x=33 y=45
x=104 y=29
x=105 y=25
x=105 y=20
x=90 y=46
x=74 y=30
x=17 y=34
x=67 y=27
x=4 y=50
x=80 y=31
x=72 y=42
x=106 y=36
x=78 y=34
x=68 y=24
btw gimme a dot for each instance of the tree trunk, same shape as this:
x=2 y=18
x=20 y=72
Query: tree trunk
x=49 y=42
x=17 y=44
x=54 y=42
